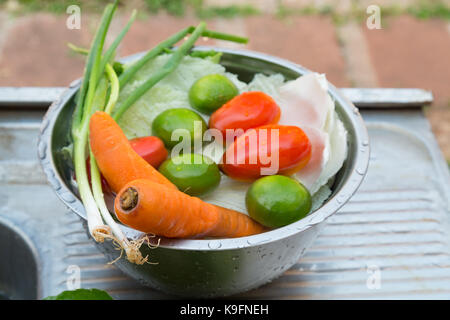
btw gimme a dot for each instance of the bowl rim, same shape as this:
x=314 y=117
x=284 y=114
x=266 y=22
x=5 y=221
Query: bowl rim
x=332 y=205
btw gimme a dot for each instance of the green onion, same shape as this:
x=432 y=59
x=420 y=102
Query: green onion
x=170 y=66
x=156 y=51
x=111 y=50
x=166 y=44
x=80 y=127
x=114 y=82
x=96 y=47
x=78 y=49
x=221 y=36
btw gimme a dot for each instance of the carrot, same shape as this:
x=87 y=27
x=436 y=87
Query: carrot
x=115 y=157
x=153 y=208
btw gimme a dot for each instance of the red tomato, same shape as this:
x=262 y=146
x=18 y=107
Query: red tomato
x=151 y=149
x=245 y=111
x=267 y=150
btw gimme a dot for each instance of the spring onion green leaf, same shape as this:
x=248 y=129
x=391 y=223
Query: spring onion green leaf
x=166 y=69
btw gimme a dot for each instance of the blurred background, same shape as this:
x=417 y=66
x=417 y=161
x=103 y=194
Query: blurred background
x=409 y=48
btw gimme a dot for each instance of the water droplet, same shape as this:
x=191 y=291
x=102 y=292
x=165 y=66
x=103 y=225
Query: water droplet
x=360 y=171
x=341 y=198
x=53 y=181
x=356 y=111
x=258 y=240
x=67 y=197
x=365 y=143
x=44 y=124
x=42 y=149
x=74 y=83
x=235 y=269
x=214 y=244
x=234 y=258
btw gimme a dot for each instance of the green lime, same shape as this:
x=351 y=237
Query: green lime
x=177 y=125
x=210 y=92
x=192 y=173
x=276 y=201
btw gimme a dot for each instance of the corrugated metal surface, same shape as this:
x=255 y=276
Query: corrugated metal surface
x=390 y=241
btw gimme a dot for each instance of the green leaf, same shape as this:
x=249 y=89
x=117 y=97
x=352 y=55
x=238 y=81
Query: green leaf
x=170 y=92
x=81 y=294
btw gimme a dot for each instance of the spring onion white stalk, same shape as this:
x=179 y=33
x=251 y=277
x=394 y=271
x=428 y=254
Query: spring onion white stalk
x=80 y=127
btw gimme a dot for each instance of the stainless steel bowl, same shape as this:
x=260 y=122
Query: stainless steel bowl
x=210 y=268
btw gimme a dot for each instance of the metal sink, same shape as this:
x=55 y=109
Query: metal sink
x=395 y=229
x=19 y=267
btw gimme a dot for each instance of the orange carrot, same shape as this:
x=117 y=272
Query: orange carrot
x=153 y=208
x=115 y=157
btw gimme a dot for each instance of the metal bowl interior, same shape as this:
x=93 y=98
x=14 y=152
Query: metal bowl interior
x=55 y=135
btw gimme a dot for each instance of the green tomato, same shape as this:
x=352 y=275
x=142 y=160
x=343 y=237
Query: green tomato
x=192 y=173
x=210 y=92
x=168 y=121
x=276 y=201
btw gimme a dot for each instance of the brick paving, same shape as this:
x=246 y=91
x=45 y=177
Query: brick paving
x=406 y=53
x=34 y=52
x=308 y=40
x=145 y=34
x=412 y=53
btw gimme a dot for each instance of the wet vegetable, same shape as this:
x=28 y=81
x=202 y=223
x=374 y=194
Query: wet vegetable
x=193 y=174
x=245 y=111
x=154 y=208
x=267 y=150
x=176 y=125
x=276 y=201
x=120 y=164
x=151 y=149
x=210 y=92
